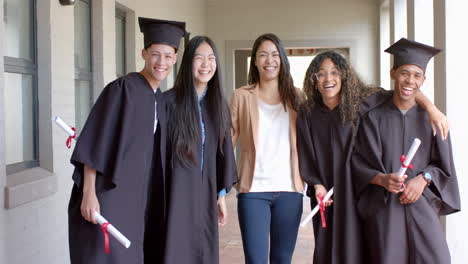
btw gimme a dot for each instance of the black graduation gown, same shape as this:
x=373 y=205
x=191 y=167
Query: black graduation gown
x=192 y=226
x=325 y=145
x=117 y=140
x=397 y=233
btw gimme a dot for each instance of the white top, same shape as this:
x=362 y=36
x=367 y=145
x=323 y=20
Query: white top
x=273 y=152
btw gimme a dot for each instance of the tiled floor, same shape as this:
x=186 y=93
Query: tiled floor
x=231 y=243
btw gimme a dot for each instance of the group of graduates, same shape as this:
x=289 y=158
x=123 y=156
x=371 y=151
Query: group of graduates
x=158 y=165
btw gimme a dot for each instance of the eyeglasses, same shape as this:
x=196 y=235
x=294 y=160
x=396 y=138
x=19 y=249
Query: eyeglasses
x=320 y=76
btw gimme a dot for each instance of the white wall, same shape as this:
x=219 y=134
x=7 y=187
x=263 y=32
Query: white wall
x=457 y=94
x=300 y=21
x=37 y=232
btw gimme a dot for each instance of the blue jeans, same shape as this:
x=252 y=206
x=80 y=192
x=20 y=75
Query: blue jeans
x=269 y=217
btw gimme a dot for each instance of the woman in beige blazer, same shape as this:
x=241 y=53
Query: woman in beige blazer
x=270 y=187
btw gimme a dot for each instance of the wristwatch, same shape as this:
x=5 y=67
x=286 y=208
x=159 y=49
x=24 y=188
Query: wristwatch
x=428 y=177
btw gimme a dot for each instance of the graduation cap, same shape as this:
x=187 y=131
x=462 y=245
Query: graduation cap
x=407 y=51
x=158 y=31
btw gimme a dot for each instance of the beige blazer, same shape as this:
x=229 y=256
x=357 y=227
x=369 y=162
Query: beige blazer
x=244 y=114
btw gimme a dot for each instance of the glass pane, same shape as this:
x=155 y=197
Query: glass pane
x=19 y=118
x=83 y=102
x=82 y=36
x=120 y=46
x=19 y=40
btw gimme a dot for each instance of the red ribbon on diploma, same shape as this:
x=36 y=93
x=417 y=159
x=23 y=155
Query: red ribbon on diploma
x=70 y=138
x=322 y=211
x=402 y=160
x=106 y=237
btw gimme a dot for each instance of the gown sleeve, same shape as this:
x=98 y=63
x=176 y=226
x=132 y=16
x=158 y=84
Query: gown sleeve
x=377 y=98
x=305 y=149
x=98 y=142
x=226 y=162
x=444 y=180
x=366 y=162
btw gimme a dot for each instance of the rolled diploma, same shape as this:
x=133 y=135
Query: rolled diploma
x=317 y=207
x=64 y=126
x=409 y=157
x=113 y=231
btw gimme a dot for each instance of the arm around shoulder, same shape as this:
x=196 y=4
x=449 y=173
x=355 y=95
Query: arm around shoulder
x=438 y=120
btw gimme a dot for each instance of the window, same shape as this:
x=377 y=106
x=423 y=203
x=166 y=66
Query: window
x=83 y=62
x=421 y=27
x=385 y=58
x=20 y=91
x=120 y=47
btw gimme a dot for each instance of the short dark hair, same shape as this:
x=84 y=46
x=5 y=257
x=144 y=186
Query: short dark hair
x=151 y=44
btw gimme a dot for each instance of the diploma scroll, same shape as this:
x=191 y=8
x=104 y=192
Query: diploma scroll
x=406 y=160
x=113 y=231
x=71 y=131
x=64 y=126
x=316 y=208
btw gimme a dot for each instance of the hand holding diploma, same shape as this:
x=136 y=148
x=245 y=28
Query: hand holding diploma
x=320 y=192
x=391 y=182
x=395 y=182
x=317 y=207
x=89 y=205
x=108 y=228
x=90 y=209
x=89 y=202
x=406 y=160
x=416 y=185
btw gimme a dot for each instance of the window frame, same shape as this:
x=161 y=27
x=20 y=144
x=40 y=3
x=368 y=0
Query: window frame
x=121 y=14
x=84 y=75
x=27 y=67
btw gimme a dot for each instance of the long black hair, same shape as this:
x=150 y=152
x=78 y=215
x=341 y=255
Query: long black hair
x=287 y=91
x=186 y=124
x=353 y=90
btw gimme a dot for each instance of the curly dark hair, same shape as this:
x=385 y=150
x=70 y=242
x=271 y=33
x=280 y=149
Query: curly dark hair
x=353 y=90
x=287 y=91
